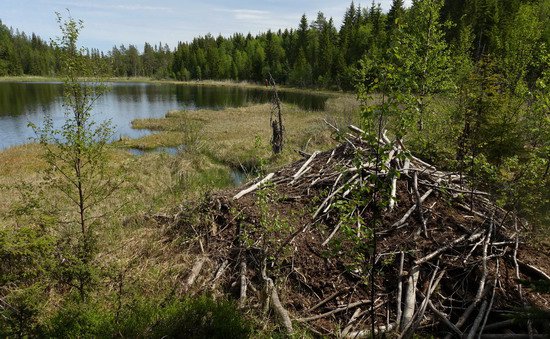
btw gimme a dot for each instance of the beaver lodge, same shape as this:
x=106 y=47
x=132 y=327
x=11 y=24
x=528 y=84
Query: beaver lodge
x=366 y=238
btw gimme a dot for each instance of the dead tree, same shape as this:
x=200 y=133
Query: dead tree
x=276 y=119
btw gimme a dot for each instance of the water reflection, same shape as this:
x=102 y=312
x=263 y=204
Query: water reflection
x=27 y=102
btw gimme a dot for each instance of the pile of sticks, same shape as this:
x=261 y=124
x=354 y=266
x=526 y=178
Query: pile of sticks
x=448 y=260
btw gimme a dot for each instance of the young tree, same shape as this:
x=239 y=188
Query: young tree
x=76 y=155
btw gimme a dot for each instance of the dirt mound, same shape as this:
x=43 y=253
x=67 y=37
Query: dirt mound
x=363 y=235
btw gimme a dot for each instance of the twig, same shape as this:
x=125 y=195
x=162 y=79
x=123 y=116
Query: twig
x=329 y=298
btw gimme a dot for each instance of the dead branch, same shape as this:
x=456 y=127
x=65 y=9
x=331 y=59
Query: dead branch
x=254 y=187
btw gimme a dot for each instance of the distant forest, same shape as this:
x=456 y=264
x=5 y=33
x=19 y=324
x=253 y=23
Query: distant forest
x=316 y=54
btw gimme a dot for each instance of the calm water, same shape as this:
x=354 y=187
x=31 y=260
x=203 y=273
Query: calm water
x=22 y=103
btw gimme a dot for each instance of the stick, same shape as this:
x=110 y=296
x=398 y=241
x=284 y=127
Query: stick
x=350 y=322
x=242 y=299
x=446 y=247
x=412 y=326
x=254 y=187
x=299 y=175
x=280 y=310
x=332 y=195
x=334 y=311
x=406 y=166
x=393 y=193
x=411 y=210
x=332 y=234
x=195 y=272
x=276 y=305
x=534 y=269
x=400 y=290
x=219 y=273
x=492 y=298
x=356 y=130
x=499 y=325
x=514 y=336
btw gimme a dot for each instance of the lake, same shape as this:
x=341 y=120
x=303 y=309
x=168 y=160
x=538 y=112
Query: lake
x=22 y=103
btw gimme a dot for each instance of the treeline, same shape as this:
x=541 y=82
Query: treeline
x=317 y=53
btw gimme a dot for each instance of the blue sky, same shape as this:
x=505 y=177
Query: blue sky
x=110 y=22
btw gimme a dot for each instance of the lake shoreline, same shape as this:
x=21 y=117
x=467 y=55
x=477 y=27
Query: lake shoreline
x=210 y=83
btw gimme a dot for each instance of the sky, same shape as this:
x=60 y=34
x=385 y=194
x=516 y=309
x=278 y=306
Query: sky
x=114 y=22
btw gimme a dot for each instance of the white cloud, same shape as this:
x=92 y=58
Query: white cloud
x=249 y=14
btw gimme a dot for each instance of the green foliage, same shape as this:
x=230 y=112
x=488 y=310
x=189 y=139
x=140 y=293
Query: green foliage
x=201 y=317
x=26 y=259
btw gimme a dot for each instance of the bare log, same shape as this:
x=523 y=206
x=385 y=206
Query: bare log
x=304 y=166
x=197 y=267
x=281 y=312
x=254 y=187
x=242 y=299
x=410 y=297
